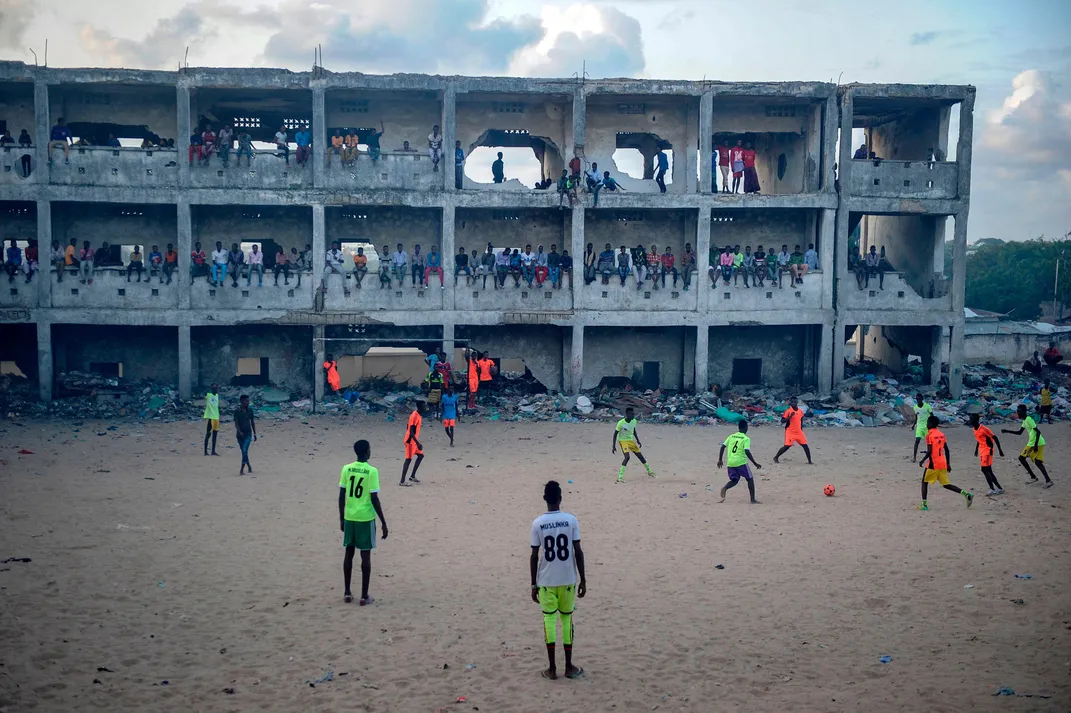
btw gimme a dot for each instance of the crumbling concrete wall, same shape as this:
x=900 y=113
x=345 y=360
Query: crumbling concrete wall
x=909 y=138
x=152 y=107
x=770 y=229
x=476 y=227
x=289 y=226
x=891 y=346
x=909 y=242
x=546 y=117
x=144 y=352
x=660 y=227
x=619 y=351
x=405 y=116
x=666 y=118
x=289 y=351
x=385 y=225
x=144 y=224
x=774 y=129
x=17 y=108
x=787 y=351
x=539 y=346
x=18 y=343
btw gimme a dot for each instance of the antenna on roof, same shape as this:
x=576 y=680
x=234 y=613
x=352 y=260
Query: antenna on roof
x=34 y=55
x=46 y=51
x=583 y=75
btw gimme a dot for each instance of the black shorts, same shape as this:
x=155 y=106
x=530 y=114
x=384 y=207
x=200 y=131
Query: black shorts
x=1046 y=410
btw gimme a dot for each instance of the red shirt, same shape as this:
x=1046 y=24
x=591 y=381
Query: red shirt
x=31 y=254
x=446 y=370
x=736 y=154
x=574 y=166
x=668 y=260
x=749 y=158
x=723 y=155
x=198 y=257
x=936 y=441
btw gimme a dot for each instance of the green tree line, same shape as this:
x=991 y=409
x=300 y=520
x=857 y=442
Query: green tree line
x=1015 y=277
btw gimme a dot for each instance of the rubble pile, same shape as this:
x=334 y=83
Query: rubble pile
x=866 y=398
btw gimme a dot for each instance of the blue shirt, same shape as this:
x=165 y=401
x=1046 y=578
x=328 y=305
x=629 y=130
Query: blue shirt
x=449 y=402
x=434 y=260
x=663 y=161
x=60 y=133
x=14 y=256
x=302 y=138
x=459 y=156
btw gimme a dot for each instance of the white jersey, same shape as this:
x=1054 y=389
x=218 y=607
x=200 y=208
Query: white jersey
x=554 y=534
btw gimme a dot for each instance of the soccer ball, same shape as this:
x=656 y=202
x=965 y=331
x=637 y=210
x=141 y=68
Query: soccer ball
x=829 y=490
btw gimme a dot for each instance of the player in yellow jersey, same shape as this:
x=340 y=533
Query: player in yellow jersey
x=1045 y=404
x=1035 y=446
x=358 y=506
x=625 y=435
x=211 y=417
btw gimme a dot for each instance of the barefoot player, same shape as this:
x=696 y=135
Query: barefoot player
x=358 y=506
x=449 y=406
x=986 y=439
x=1035 y=446
x=939 y=461
x=793 y=420
x=922 y=415
x=625 y=435
x=412 y=443
x=739 y=446
x=556 y=560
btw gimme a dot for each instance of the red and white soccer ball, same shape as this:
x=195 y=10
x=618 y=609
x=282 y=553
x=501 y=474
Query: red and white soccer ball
x=829 y=490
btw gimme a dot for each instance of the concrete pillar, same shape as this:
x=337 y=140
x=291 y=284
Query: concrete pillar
x=825 y=359
x=184 y=246
x=944 y=117
x=182 y=142
x=693 y=145
x=319 y=350
x=42 y=132
x=185 y=363
x=964 y=147
x=846 y=117
x=932 y=361
x=940 y=225
x=702 y=250
x=580 y=118
x=827 y=239
x=829 y=142
x=959 y=263
x=702 y=358
x=449 y=129
x=319 y=244
x=45 y=280
x=838 y=353
x=320 y=140
x=449 y=249
x=706 y=150
x=576 y=361
x=577 y=248
x=812 y=178
x=955 y=361
x=448 y=340
x=44 y=359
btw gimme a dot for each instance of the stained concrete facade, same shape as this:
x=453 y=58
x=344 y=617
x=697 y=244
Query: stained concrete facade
x=572 y=337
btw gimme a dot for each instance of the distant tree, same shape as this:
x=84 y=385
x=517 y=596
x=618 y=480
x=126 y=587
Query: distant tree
x=1016 y=277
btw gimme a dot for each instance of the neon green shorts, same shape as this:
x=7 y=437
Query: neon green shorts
x=558 y=600
x=361 y=535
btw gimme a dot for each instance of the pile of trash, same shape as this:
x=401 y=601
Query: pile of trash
x=867 y=398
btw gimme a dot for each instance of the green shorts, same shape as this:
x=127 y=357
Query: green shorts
x=361 y=535
x=558 y=599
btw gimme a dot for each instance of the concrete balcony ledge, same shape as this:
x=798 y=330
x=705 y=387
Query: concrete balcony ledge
x=371 y=297
x=19 y=293
x=252 y=297
x=897 y=295
x=769 y=296
x=395 y=169
x=524 y=298
x=107 y=166
x=267 y=170
x=110 y=290
x=614 y=296
x=904 y=179
x=11 y=164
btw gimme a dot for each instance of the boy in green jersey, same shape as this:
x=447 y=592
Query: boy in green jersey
x=625 y=435
x=358 y=506
x=211 y=417
x=1035 y=446
x=739 y=446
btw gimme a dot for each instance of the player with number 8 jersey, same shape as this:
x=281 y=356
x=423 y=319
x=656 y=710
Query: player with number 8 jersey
x=556 y=560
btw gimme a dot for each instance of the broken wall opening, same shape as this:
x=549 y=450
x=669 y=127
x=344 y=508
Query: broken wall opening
x=537 y=348
x=775 y=356
x=635 y=354
x=403 y=117
x=120 y=225
x=260 y=112
x=912 y=353
x=130 y=352
x=130 y=113
x=914 y=250
x=508 y=229
x=902 y=129
x=377 y=227
x=18 y=353
x=532 y=132
x=16 y=114
x=785 y=134
x=287 y=349
x=379 y=353
x=631 y=127
x=269 y=227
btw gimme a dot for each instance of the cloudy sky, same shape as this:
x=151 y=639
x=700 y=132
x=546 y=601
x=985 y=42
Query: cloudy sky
x=1017 y=54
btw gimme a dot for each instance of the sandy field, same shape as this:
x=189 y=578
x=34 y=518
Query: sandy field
x=163 y=581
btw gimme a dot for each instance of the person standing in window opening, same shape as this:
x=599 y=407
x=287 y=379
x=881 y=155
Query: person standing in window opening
x=435 y=146
x=459 y=164
x=245 y=427
x=303 y=139
x=373 y=141
x=723 y=166
x=283 y=144
x=224 y=144
x=498 y=170
x=331 y=369
x=663 y=166
x=245 y=147
x=751 y=175
x=736 y=158
x=25 y=143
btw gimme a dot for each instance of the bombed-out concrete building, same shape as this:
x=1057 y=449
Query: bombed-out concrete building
x=367 y=177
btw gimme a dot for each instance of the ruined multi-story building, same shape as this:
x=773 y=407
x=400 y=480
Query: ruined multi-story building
x=193 y=334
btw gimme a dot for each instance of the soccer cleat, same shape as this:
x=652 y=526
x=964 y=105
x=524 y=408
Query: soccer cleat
x=621 y=479
x=651 y=473
x=922 y=507
x=1032 y=481
x=970 y=499
x=999 y=491
x=991 y=493
x=1048 y=484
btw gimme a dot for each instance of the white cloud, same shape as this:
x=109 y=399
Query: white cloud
x=603 y=40
x=15 y=16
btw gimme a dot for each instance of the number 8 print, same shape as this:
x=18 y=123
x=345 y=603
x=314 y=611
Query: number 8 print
x=562 y=552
